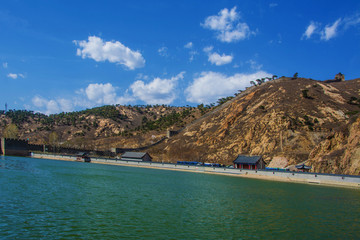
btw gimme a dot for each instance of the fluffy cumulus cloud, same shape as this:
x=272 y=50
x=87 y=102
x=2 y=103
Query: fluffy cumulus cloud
x=227 y=26
x=101 y=93
x=216 y=58
x=219 y=60
x=210 y=86
x=104 y=94
x=49 y=106
x=112 y=51
x=95 y=94
x=66 y=105
x=158 y=91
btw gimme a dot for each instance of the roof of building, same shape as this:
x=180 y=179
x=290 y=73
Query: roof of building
x=242 y=159
x=138 y=155
x=303 y=166
x=82 y=154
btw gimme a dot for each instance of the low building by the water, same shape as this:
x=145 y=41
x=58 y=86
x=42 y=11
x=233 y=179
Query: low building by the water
x=136 y=156
x=83 y=157
x=249 y=162
x=303 y=168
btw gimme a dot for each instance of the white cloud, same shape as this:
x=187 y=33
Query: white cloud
x=112 y=51
x=227 y=25
x=142 y=76
x=223 y=21
x=210 y=86
x=101 y=93
x=39 y=101
x=351 y=21
x=254 y=65
x=5 y=65
x=163 y=51
x=104 y=94
x=271 y=5
x=188 y=45
x=66 y=105
x=12 y=75
x=192 y=55
x=158 y=91
x=219 y=60
x=15 y=75
x=310 y=30
x=216 y=58
x=48 y=106
x=53 y=106
x=93 y=95
x=330 y=31
x=208 y=49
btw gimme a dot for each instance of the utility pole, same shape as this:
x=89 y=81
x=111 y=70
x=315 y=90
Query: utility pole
x=5 y=107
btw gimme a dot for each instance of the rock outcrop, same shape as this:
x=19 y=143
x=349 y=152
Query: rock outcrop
x=339 y=153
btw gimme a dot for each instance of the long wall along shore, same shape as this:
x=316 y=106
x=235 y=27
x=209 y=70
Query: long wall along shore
x=297 y=177
x=22 y=148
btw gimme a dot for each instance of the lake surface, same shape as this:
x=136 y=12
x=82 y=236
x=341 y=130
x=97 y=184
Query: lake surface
x=48 y=199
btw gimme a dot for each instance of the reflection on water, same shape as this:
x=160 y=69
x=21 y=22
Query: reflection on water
x=54 y=199
x=12 y=163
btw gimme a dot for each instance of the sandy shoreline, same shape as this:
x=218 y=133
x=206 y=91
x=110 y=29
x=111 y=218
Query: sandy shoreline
x=244 y=175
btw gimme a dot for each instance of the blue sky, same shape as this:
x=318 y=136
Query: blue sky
x=60 y=56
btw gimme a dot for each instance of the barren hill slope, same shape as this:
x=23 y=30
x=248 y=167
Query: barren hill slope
x=281 y=118
x=99 y=128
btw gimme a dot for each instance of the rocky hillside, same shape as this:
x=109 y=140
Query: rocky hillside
x=99 y=128
x=339 y=153
x=293 y=119
x=287 y=120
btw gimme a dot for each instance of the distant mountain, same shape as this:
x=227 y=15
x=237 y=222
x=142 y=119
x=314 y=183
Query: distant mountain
x=292 y=119
x=100 y=128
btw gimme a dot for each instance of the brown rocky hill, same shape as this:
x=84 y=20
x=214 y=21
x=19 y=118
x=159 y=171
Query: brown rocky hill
x=100 y=128
x=287 y=118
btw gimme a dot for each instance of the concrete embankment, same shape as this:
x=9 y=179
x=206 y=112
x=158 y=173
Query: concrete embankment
x=298 y=177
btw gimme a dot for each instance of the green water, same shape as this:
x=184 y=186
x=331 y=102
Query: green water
x=47 y=199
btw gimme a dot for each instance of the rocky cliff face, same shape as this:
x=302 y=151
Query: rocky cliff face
x=339 y=153
x=285 y=118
